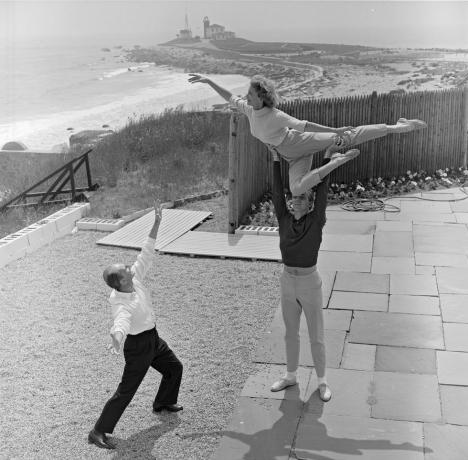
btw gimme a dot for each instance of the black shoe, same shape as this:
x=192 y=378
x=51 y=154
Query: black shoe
x=168 y=407
x=100 y=439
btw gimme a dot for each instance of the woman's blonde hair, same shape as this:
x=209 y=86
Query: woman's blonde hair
x=265 y=89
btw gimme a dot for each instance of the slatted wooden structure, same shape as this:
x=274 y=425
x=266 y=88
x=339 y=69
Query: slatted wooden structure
x=443 y=144
x=174 y=223
x=225 y=245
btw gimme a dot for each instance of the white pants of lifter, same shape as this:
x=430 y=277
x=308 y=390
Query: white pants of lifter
x=301 y=291
x=298 y=148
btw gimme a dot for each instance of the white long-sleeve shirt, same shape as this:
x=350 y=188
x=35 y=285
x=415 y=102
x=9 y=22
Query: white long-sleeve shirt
x=268 y=124
x=132 y=311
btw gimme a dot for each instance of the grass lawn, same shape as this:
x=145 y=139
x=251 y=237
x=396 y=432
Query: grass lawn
x=57 y=373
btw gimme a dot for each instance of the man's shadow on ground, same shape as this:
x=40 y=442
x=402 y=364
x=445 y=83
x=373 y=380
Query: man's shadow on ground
x=275 y=442
x=141 y=444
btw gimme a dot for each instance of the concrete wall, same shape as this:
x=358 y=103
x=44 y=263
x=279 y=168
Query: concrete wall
x=58 y=224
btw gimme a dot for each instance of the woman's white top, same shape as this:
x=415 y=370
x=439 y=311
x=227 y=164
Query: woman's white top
x=269 y=125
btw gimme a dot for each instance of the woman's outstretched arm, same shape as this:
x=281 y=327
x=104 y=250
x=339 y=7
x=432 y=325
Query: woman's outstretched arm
x=223 y=92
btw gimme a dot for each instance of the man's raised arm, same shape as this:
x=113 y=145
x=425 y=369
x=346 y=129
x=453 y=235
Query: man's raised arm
x=145 y=258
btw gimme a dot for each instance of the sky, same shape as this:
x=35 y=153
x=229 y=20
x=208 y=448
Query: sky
x=373 y=23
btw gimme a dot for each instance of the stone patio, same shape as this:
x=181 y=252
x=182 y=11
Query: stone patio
x=396 y=319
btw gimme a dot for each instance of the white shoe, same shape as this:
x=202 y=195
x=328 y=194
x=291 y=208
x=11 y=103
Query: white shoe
x=283 y=383
x=405 y=126
x=325 y=392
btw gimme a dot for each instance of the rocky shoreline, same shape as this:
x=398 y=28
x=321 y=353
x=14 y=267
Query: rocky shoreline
x=322 y=74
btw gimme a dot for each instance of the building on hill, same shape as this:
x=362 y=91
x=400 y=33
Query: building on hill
x=185 y=34
x=215 y=31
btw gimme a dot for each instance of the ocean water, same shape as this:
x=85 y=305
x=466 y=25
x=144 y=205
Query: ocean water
x=50 y=90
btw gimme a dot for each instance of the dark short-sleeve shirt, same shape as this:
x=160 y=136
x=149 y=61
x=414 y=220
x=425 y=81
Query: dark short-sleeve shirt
x=300 y=239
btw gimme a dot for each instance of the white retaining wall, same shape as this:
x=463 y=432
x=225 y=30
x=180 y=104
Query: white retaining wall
x=43 y=232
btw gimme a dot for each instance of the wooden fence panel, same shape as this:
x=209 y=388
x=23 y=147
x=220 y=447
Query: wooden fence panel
x=442 y=145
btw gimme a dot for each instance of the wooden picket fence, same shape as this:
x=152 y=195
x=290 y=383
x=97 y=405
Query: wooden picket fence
x=443 y=144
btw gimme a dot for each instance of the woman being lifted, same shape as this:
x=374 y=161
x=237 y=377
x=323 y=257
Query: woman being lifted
x=298 y=140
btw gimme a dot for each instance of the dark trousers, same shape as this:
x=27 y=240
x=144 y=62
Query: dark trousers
x=142 y=351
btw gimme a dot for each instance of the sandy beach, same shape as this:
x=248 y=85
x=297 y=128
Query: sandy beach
x=169 y=89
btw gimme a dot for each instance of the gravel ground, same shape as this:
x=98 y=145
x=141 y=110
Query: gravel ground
x=56 y=373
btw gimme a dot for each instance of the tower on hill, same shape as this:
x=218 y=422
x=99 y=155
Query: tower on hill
x=215 y=31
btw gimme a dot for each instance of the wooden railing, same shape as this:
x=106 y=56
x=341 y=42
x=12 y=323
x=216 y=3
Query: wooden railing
x=62 y=176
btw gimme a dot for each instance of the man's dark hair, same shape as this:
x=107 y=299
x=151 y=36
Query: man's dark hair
x=112 y=279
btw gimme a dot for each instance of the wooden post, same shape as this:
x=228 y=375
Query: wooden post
x=72 y=182
x=465 y=127
x=373 y=119
x=88 y=172
x=233 y=173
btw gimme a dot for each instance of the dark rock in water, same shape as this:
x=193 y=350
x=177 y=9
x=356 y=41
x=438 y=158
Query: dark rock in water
x=89 y=137
x=14 y=145
x=105 y=49
x=105 y=126
x=70 y=129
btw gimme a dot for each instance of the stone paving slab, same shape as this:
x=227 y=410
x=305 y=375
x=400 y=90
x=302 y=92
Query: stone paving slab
x=351 y=394
x=359 y=301
x=271 y=348
x=389 y=265
x=441 y=259
x=396 y=329
x=411 y=397
x=445 y=442
x=461 y=217
x=414 y=304
x=454 y=404
x=424 y=270
x=357 y=227
x=405 y=360
x=393 y=244
x=347 y=243
x=393 y=226
x=413 y=285
x=258 y=385
x=452 y=280
x=440 y=229
x=362 y=282
x=344 y=261
x=341 y=214
x=358 y=356
x=421 y=217
x=441 y=195
x=260 y=429
x=452 y=367
x=420 y=206
x=459 y=206
x=456 y=336
x=332 y=437
x=454 y=308
x=443 y=241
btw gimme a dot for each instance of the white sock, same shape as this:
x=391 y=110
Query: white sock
x=290 y=375
x=322 y=380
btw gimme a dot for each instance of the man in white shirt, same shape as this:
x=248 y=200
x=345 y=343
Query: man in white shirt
x=134 y=328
